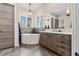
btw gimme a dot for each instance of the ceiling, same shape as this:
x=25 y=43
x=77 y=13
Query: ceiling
x=59 y=8
x=54 y=8
x=34 y=6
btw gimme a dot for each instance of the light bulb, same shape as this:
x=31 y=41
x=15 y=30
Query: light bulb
x=46 y=17
x=30 y=14
x=68 y=12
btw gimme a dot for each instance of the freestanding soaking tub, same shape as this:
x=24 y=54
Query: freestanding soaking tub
x=30 y=38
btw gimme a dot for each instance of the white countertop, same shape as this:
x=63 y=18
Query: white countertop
x=57 y=32
x=30 y=34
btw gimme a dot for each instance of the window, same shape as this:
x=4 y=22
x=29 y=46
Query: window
x=29 y=22
x=39 y=21
x=23 y=20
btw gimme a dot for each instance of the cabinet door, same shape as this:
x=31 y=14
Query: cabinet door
x=48 y=40
x=43 y=38
x=54 y=42
x=63 y=50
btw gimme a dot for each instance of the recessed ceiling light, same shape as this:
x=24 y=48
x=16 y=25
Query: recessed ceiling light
x=58 y=9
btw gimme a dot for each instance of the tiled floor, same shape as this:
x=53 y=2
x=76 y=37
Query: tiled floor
x=27 y=51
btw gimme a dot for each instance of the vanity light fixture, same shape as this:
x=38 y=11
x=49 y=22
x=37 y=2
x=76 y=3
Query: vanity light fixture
x=68 y=12
x=47 y=18
x=58 y=10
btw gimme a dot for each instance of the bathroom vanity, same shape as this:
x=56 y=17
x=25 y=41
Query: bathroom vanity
x=58 y=42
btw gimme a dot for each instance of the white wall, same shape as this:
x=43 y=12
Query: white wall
x=75 y=33
x=74 y=28
x=77 y=27
x=18 y=12
x=67 y=22
x=16 y=27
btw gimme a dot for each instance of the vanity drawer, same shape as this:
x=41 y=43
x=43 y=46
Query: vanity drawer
x=43 y=39
x=66 y=42
x=64 y=46
x=64 y=49
x=42 y=35
x=64 y=39
x=63 y=52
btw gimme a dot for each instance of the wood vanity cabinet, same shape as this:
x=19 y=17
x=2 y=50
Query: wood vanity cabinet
x=45 y=41
x=59 y=43
x=64 y=44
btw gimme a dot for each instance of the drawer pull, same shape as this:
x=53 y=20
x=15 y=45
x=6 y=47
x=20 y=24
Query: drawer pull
x=61 y=46
x=62 y=42
x=62 y=36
